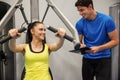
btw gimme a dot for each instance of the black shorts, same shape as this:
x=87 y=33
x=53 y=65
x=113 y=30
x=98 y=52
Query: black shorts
x=98 y=68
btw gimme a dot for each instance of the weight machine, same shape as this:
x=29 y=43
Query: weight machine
x=9 y=14
x=18 y=5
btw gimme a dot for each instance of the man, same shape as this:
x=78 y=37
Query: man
x=98 y=31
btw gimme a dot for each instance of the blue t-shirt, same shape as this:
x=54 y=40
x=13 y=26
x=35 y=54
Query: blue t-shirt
x=95 y=33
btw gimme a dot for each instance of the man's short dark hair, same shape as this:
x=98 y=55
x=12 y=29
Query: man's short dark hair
x=83 y=3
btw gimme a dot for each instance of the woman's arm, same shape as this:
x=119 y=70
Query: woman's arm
x=55 y=46
x=16 y=48
x=12 y=43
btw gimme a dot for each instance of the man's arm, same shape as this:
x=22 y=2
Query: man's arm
x=81 y=41
x=114 y=41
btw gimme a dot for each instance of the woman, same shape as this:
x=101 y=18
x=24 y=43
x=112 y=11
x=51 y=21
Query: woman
x=36 y=52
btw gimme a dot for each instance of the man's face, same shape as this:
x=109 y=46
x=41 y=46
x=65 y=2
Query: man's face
x=85 y=12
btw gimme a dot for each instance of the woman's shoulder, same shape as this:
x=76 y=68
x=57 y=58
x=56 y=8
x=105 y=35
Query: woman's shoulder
x=22 y=46
x=47 y=45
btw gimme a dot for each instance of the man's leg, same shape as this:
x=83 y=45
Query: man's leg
x=103 y=70
x=87 y=70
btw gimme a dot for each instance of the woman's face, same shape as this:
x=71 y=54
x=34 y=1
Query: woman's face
x=38 y=31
